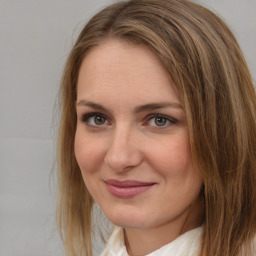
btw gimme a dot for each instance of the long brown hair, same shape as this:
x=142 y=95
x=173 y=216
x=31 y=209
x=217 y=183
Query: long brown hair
x=208 y=68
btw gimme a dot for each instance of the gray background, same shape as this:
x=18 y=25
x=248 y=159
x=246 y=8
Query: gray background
x=35 y=38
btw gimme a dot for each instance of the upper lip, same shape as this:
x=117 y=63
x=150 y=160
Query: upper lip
x=128 y=183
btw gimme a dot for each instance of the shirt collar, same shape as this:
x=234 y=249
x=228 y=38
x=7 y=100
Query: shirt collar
x=188 y=244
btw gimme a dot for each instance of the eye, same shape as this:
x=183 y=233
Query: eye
x=160 y=121
x=99 y=120
x=94 y=119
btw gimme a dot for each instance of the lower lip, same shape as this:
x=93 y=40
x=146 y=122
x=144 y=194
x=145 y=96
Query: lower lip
x=127 y=192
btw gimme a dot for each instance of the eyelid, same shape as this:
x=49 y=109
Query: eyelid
x=168 y=118
x=85 y=117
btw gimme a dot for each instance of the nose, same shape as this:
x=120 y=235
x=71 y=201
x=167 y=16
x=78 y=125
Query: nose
x=123 y=152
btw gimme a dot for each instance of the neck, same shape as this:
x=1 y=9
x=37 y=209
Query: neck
x=142 y=241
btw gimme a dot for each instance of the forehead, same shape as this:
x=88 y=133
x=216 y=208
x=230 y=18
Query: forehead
x=116 y=66
x=120 y=56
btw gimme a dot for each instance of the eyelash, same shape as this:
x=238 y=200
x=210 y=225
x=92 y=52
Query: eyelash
x=86 y=118
x=164 y=117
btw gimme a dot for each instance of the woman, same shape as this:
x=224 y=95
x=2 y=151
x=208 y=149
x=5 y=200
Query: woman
x=158 y=128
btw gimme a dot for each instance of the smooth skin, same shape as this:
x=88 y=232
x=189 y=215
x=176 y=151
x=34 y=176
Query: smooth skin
x=132 y=126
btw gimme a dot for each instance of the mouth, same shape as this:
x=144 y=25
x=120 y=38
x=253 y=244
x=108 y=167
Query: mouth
x=127 y=188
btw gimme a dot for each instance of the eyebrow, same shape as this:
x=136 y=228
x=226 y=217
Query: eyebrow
x=154 y=106
x=138 y=109
x=91 y=105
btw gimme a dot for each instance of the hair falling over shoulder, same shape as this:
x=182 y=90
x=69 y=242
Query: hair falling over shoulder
x=208 y=68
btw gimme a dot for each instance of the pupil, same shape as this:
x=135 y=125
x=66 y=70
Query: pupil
x=159 y=121
x=99 y=120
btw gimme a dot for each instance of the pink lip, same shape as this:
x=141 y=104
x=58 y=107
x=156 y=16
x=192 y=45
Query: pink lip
x=127 y=188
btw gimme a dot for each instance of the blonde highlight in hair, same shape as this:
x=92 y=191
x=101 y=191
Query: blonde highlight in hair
x=208 y=68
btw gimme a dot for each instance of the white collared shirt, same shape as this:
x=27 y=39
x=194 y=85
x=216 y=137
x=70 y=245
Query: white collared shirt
x=188 y=244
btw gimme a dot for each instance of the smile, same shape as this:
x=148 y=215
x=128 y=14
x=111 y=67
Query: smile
x=128 y=188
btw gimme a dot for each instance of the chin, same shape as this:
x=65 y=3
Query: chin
x=125 y=218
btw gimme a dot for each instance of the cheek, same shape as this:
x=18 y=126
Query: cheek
x=89 y=152
x=172 y=157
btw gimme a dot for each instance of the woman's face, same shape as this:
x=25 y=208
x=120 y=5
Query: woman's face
x=132 y=142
